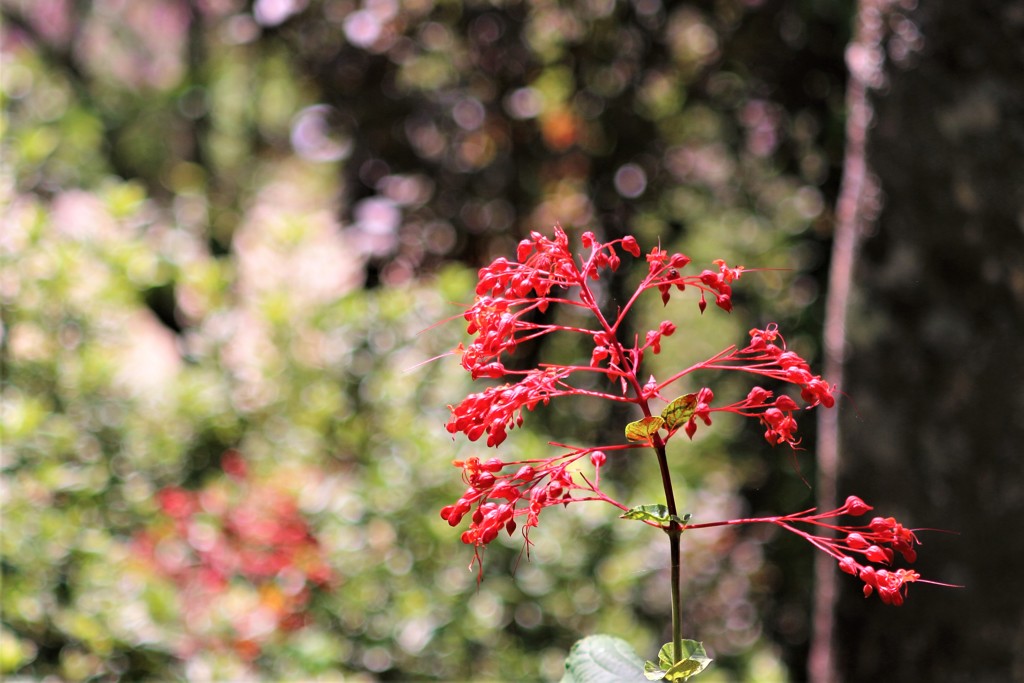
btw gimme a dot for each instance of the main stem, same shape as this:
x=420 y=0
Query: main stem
x=674 y=531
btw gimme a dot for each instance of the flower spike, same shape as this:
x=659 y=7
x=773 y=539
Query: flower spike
x=508 y=496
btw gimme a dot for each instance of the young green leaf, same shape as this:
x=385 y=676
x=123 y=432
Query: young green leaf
x=603 y=659
x=654 y=513
x=642 y=430
x=695 y=660
x=679 y=411
x=653 y=672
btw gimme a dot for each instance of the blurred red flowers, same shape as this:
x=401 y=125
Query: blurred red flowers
x=235 y=541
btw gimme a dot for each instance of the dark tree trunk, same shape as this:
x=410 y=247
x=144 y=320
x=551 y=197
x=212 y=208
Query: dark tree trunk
x=933 y=430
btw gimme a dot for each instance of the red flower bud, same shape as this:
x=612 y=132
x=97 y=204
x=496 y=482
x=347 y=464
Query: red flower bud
x=525 y=473
x=483 y=480
x=630 y=245
x=490 y=370
x=524 y=250
x=758 y=395
x=876 y=554
x=856 y=507
x=856 y=541
x=880 y=524
x=785 y=403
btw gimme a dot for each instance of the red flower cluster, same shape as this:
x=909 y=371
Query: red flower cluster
x=766 y=355
x=498 y=409
x=492 y=497
x=876 y=543
x=879 y=542
x=508 y=291
x=547 y=273
x=511 y=295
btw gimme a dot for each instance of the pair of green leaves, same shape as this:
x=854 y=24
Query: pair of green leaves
x=607 y=659
x=675 y=415
x=694 y=660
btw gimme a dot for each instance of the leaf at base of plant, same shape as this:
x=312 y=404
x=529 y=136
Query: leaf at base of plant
x=695 y=660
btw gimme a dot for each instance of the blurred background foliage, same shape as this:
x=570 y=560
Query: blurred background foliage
x=228 y=228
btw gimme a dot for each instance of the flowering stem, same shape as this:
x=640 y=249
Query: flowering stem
x=674 y=531
x=508 y=496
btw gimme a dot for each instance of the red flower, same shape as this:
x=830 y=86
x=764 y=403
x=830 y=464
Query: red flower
x=498 y=409
x=545 y=274
x=495 y=498
x=891 y=586
x=509 y=496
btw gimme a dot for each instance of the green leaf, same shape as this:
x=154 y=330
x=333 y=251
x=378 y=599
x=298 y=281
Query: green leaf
x=642 y=430
x=603 y=659
x=694 y=660
x=654 y=513
x=653 y=672
x=678 y=412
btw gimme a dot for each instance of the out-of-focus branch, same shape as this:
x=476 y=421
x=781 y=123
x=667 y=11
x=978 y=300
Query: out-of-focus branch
x=856 y=208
